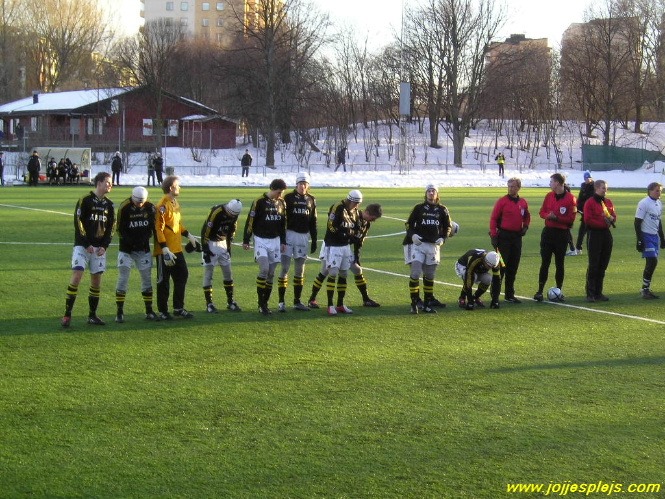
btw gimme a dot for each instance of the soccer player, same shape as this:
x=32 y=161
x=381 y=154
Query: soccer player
x=93 y=228
x=599 y=216
x=135 y=224
x=171 y=263
x=266 y=222
x=649 y=229
x=365 y=218
x=481 y=267
x=301 y=236
x=216 y=239
x=558 y=210
x=427 y=228
x=509 y=222
x=586 y=191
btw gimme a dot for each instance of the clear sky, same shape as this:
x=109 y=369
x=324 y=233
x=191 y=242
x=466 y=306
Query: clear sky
x=380 y=18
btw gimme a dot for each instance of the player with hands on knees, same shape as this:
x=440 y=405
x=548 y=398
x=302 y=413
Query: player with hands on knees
x=216 y=238
x=481 y=267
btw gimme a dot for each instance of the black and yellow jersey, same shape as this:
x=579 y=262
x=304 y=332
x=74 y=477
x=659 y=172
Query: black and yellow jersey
x=93 y=221
x=135 y=226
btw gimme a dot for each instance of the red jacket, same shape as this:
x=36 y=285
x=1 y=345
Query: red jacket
x=563 y=206
x=594 y=214
x=510 y=214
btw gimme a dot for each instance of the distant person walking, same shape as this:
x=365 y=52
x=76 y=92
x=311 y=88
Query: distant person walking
x=34 y=166
x=341 y=159
x=151 y=170
x=245 y=163
x=116 y=168
x=158 y=165
x=501 y=161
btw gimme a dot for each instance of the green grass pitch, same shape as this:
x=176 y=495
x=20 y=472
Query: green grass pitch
x=379 y=404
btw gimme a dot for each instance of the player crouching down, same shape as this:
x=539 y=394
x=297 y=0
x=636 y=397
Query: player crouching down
x=482 y=267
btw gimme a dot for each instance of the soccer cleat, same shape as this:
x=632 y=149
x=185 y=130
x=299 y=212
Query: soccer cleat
x=312 y=304
x=66 y=320
x=420 y=304
x=300 y=306
x=461 y=302
x=181 y=312
x=414 y=308
x=478 y=303
x=281 y=307
x=332 y=310
x=343 y=309
x=562 y=298
x=96 y=321
x=165 y=316
x=601 y=297
x=648 y=295
x=370 y=303
x=263 y=309
x=151 y=316
x=120 y=318
x=435 y=303
x=573 y=252
x=512 y=299
x=211 y=308
x=590 y=299
x=538 y=296
x=233 y=307
x=429 y=310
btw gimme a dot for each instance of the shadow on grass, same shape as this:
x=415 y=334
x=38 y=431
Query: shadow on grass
x=635 y=361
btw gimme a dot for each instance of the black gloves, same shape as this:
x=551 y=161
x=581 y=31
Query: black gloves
x=662 y=243
x=206 y=253
x=640 y=245
x=312 y=248
x=495 y=241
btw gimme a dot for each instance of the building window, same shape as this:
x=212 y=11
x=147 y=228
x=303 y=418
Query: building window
x=169 y=5
x=184 y=6
x=205 y=22
x=220 y=22
x=205 y=6
x=220 y=5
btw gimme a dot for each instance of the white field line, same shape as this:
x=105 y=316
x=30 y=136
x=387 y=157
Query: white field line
x=378 y=271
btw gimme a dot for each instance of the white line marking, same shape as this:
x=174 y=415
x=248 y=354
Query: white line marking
x=35 y=209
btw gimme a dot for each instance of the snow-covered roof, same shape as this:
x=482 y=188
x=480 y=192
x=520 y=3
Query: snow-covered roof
x=61 y=101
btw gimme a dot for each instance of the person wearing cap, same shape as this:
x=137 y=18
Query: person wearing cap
x=168 y=251
x=371 y=213
x=266 y=223
x=559 y=209
x=649 y=231
x=509 y=223
x=586 y=191
x=216 y=238
x=478 y=266
x=34 y=166
x=94 y=218
x=341 y=227
x=116 y=167
x=2 y=169
x=427 y=228
x=245 y=163
x=301 y=238
x=135 y=225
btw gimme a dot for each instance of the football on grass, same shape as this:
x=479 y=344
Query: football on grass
x=554 y=294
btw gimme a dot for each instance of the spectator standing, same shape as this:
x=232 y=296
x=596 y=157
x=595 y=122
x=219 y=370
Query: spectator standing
x=245 y=163
x=216 y=238
x=341 y=159
x=158 y=165
x=266 y=222
x=2 y=169
x=170 y=259
x=116 y=167
x=427 y=228
x=135 y=224
x=93 y=227
x=151 y=170
x=500 y=161
x=558 y=210
x=509 y=223
x=481 y=267
x=301 y=228
x=586 y=191
x=649 y=232
x=34 y=166
x=599 y=216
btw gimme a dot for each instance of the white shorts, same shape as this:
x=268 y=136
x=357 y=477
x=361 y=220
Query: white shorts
x=141 y=259
x=297 y=244
x=269 y=248
x=81 y=260
x=425 y=253
x=485 y=278
x=219 y=253
x=337 y=257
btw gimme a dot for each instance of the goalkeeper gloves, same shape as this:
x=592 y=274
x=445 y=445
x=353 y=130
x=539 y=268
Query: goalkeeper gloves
x=169 y=257
x=417 y=240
